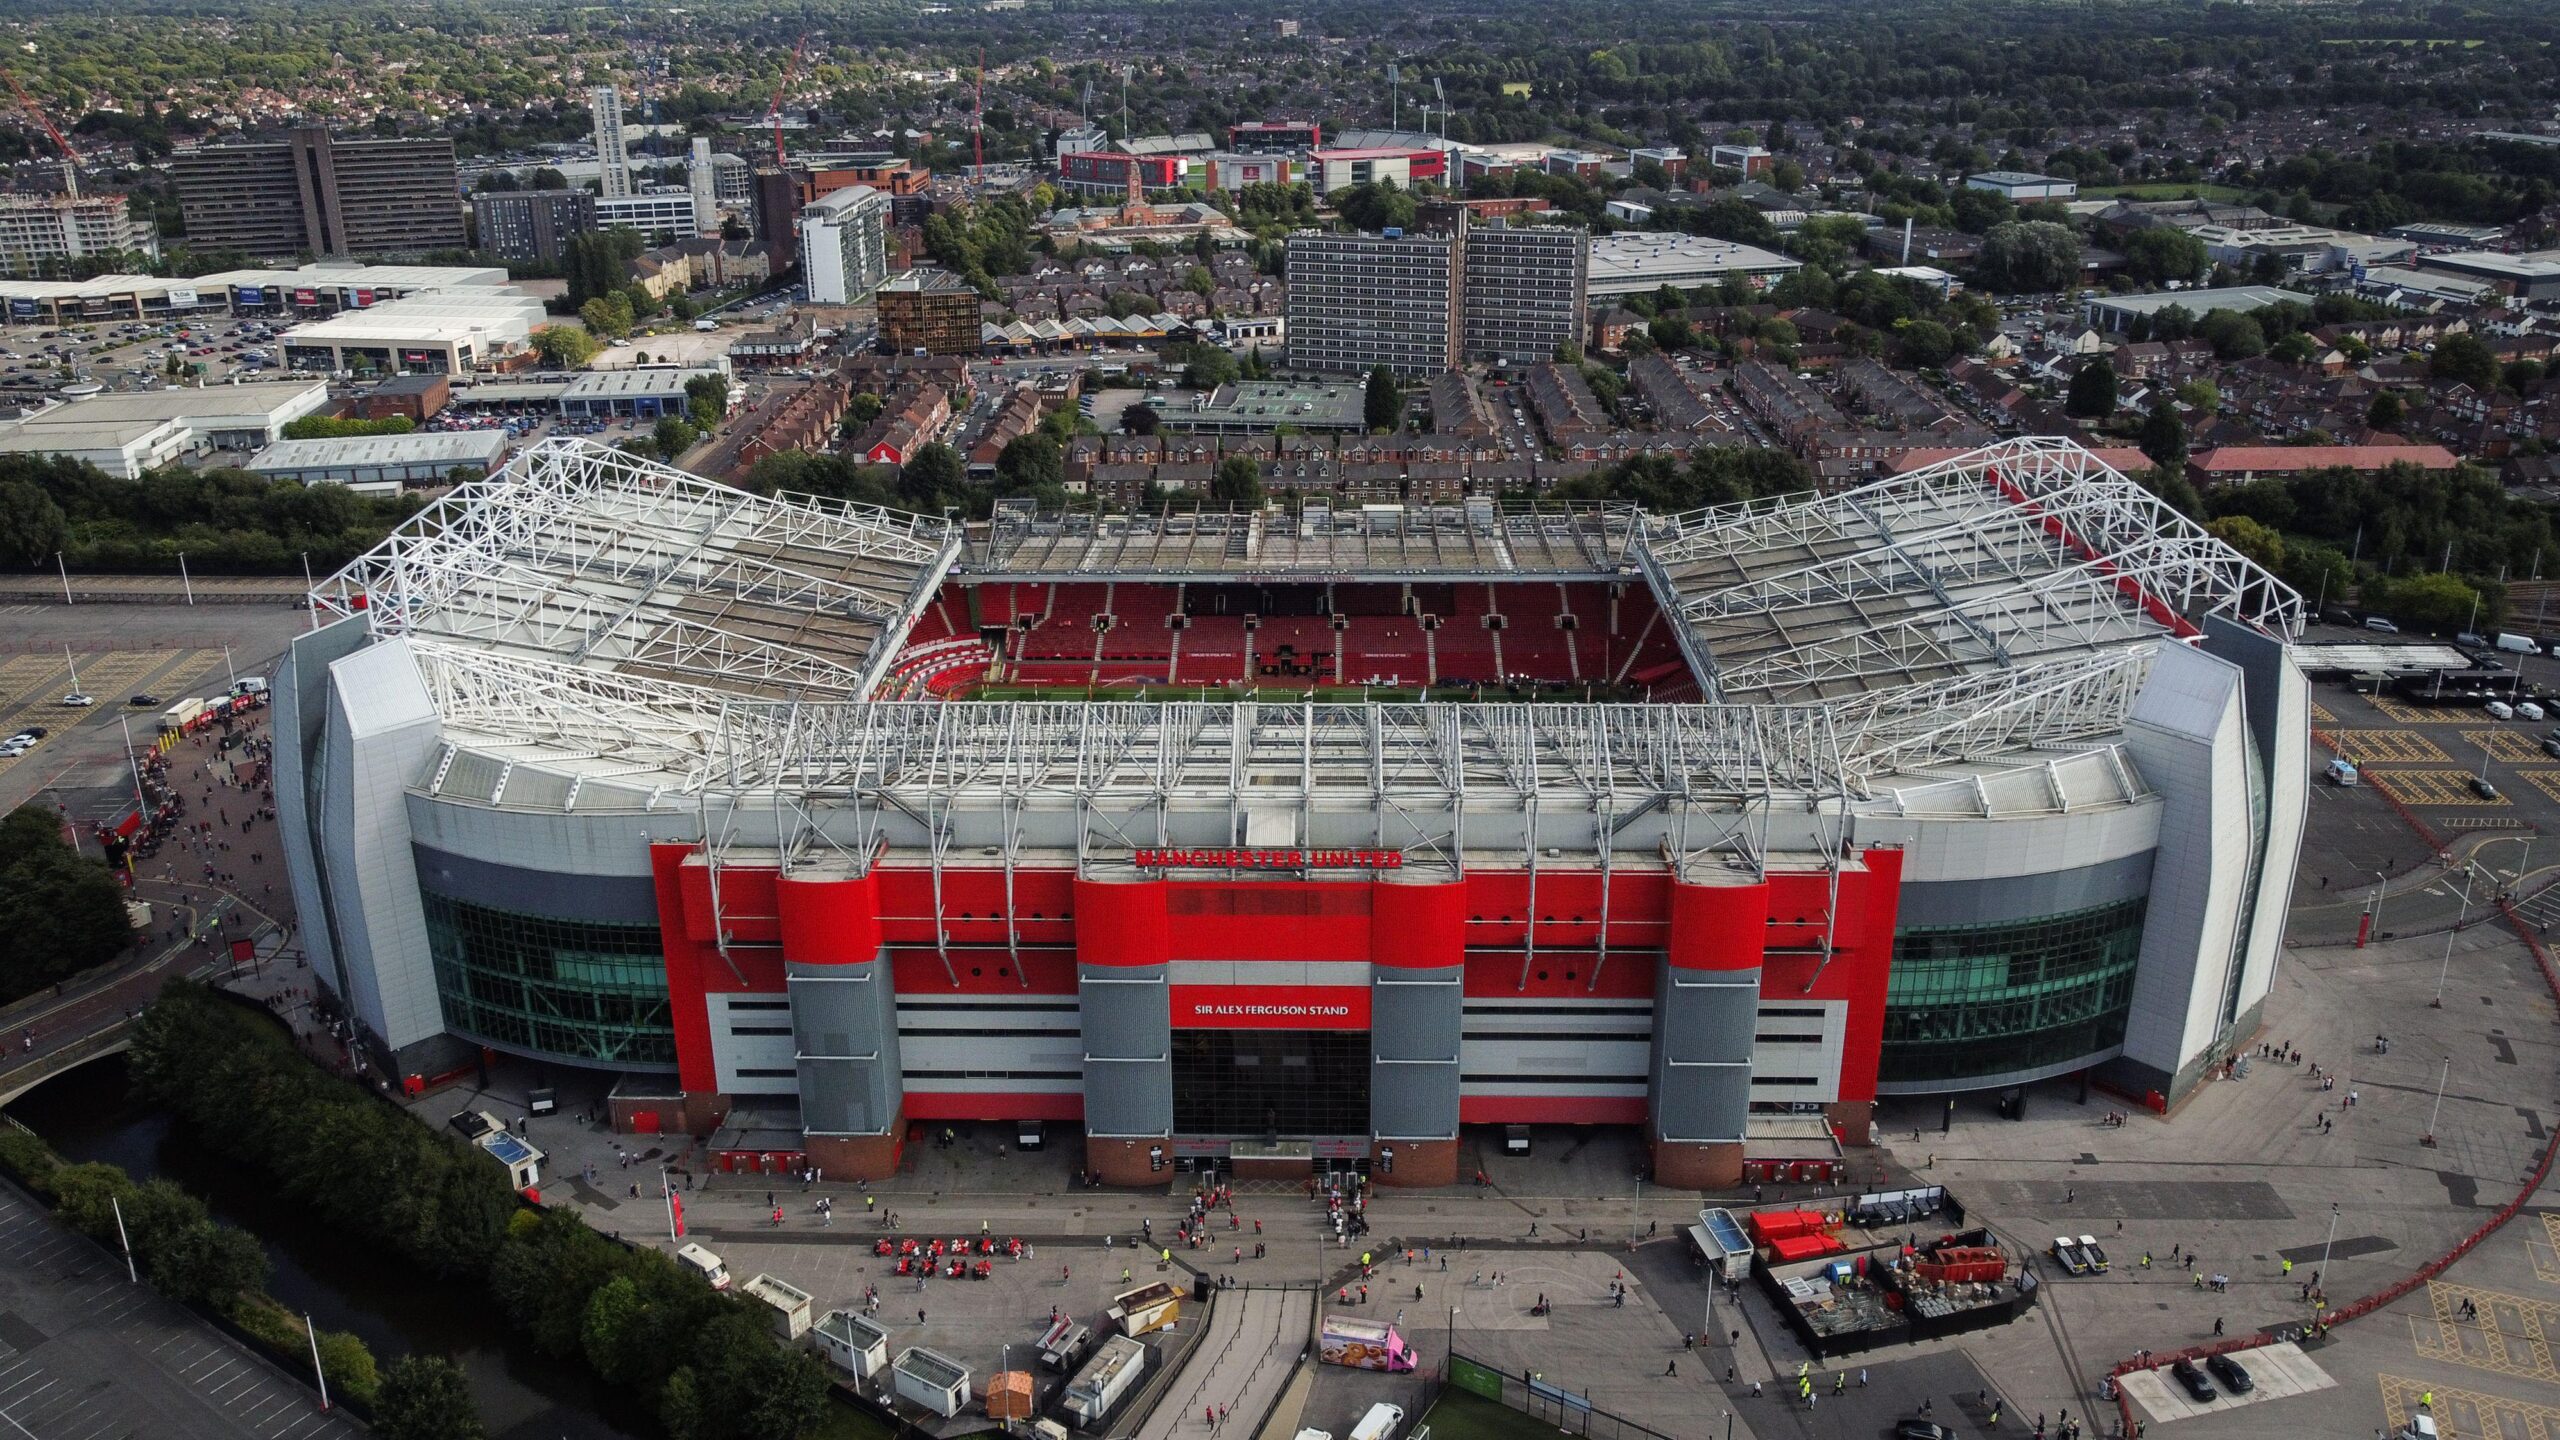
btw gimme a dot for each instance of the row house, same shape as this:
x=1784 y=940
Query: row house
x=1564 y=402
x=1672 y=391
x=1889 y=396
x=1019 y=416
x=806 y=419
x=1458 y=405
x=913 y=420
x=1784 y=403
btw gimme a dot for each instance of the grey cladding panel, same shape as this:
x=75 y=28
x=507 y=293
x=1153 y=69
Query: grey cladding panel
x=607 y=899
x=844 y=1024
x=2023 y=897
x=1414 y=1048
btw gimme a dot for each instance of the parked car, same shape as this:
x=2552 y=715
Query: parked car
x=79 y=700
x=1922 y=1430
x=2481 y=787
x=2192 y=1380
x=143 y=702
x=2380 y=626
x=2233 y=1375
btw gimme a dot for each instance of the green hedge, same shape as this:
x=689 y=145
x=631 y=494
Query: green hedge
x=705 y=1360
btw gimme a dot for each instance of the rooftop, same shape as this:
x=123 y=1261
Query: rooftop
x=1631 y=261
x=663 y=381
x=1268 y=405
x=454 y=447
x=2231 y=297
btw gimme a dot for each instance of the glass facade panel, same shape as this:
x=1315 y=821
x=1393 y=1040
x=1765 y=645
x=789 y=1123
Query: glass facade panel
x=581 y=991
x=1296 y=1084
x=1987 y=1000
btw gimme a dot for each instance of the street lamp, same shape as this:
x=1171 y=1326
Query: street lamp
x=2429 y=1139
x=2381 y=891
x=2333 y=1237
x=2447 y=967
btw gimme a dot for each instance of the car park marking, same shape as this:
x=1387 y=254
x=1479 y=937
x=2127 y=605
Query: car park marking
x=2411 y=714
x=2429 y=787
x=2503 y=1334
x=2507 y=745
x=2544 y=779
x=2321 y=713
x=2465 y=1414
x=2406 y=747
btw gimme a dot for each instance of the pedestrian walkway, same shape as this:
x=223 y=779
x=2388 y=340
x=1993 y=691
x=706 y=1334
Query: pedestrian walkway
x=1239 y=1366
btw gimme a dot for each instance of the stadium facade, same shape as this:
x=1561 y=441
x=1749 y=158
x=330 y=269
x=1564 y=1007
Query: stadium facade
x=1984 y=774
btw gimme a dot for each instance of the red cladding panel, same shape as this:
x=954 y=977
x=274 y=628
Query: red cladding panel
x=1268 y=920
x=972 y=1105
x=1418 y=927
x=829 y=922
x=1551 y=1110
x=1718 y=927
x=1120 y=922
x=685 y=979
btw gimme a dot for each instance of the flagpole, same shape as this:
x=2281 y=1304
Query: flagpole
x=669 y=1191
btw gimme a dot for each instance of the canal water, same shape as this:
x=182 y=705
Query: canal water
x=89 y=1114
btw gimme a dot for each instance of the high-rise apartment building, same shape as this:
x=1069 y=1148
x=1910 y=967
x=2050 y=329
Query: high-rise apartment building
x=1358 y=301
x=777 y=209
x=1431 y=299
x=844 y=245
x=660 y=210
x=702 y=179
x=1523 y=291
x=613 y=148
x=531 y=224
x=39 y=231
x=313 y=193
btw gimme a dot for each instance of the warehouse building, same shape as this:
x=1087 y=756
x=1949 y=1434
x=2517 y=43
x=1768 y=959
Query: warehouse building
x=606 y=766
x=2122 y=312
x=446 y=332
x=383 y=464
x=127 y=435
x=644 y=393
x=1640 y=262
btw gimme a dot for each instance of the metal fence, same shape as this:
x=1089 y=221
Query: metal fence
x=1541 y=1399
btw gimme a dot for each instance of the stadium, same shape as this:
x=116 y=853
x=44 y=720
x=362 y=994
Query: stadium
x=1286 y=840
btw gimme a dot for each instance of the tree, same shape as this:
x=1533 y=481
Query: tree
x=64 y=912
x=1384 y=406
x=2387 y=411
x=2028 y=256
x=2094 y=390
x=425 y=1397
x=706 y=400
x=1032 y=463
x=932 y=478
x=608 y=315
x=1141 y=419
x=564 y=347
x=32 y=527
x=673 y=436
x=2164 y=436
x=1924 y=344
x=2233 y=335
x=2465 y=360
x=2522 y=376
x=2164 y=253
x=1238 y=481
x=1211 y=366
x=1382 y=206
x=2432 y=601
x=862 y=409
x=2251 y=539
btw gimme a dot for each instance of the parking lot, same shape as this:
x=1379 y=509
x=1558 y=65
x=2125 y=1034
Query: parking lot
x=123 y=355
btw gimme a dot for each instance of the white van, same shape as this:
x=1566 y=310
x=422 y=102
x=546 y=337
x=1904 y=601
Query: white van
x=2518 y=645
x=2498 y=710
x=1379 y=1424
x=705 y=1264
x=2527 y=710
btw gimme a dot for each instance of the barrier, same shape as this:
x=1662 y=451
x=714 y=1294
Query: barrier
x=2357 y=1309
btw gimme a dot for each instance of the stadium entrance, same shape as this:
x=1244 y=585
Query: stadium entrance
x=1271 y=1084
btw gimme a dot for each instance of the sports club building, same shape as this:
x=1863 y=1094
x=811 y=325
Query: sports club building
x=1981 y=775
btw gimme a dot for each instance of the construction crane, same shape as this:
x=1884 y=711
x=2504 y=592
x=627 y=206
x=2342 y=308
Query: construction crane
x=70 y=161
x=773 y=114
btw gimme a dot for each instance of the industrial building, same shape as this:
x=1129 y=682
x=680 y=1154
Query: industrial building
x=322 y=288
x=531 y=225
x=2533 y=276
x=1983 y=774
x=382 y=464
x=2022 y=187
x=2122 y=312
x=446 y=331
x=844 y=245
x=314 y=193
x=644 y=393
x=127 y=435
x=40 y=232
x=1640 y=262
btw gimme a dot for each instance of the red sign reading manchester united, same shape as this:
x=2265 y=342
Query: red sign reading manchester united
x=1269 y=859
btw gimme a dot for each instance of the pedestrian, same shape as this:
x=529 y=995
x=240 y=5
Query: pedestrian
x=1862 y=1377
x=2217 y=1325
x=1840 y=1382
x=1755 y=1389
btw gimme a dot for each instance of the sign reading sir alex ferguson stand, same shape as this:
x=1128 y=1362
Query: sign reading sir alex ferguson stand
x=1269 y=1007
x=1268 y=859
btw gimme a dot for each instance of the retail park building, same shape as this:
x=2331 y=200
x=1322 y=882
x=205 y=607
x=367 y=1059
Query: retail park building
x=1983 y=774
